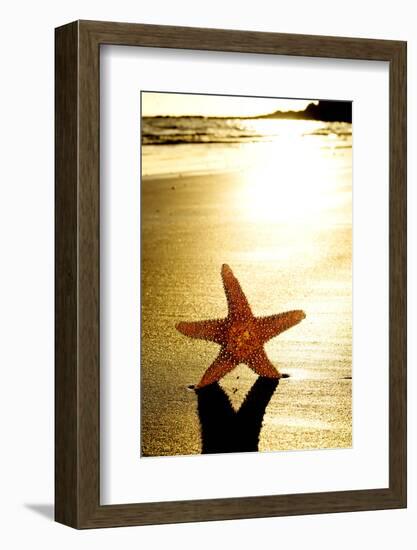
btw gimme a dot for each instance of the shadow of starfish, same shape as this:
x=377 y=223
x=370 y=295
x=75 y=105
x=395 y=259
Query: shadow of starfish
x=223 y=430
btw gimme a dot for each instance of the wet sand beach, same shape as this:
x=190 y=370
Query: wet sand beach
x=285 y=228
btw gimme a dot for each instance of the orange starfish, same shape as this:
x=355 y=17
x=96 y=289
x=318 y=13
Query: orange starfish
x=241 y=335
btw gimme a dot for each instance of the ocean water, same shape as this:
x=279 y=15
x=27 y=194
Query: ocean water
x=273 y=199
x=198 y=144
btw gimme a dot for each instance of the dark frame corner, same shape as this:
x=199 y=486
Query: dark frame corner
x=77 y=474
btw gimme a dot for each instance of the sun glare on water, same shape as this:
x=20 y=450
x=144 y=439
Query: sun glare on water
x=288 y=178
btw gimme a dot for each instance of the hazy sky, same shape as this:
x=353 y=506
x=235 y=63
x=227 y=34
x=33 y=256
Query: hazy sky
x=154 y=103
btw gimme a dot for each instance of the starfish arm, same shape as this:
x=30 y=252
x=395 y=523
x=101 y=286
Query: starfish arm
x=268 y=327
x=260 y=363
x=220 y=366
x=212 y=330
x=237 y=302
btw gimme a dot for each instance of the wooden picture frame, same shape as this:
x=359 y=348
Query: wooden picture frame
x=77 y=372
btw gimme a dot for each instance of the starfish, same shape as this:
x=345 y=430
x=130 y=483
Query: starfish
x=241 y=335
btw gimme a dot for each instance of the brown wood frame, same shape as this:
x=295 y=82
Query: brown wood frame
x=77 y=371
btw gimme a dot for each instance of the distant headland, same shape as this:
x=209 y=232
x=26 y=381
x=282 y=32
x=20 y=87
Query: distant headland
x=325 y=111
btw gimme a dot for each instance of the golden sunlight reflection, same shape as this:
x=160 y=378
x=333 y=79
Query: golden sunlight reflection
x=288 y=178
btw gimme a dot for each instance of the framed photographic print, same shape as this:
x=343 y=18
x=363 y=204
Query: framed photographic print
x=230 y=274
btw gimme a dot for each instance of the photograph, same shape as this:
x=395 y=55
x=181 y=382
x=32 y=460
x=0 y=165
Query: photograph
x=246 y=274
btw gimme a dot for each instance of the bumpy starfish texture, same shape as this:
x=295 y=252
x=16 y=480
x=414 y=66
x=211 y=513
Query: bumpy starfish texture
x=241 y=335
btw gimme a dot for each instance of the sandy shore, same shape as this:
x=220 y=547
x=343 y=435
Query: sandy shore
x=193 y=224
